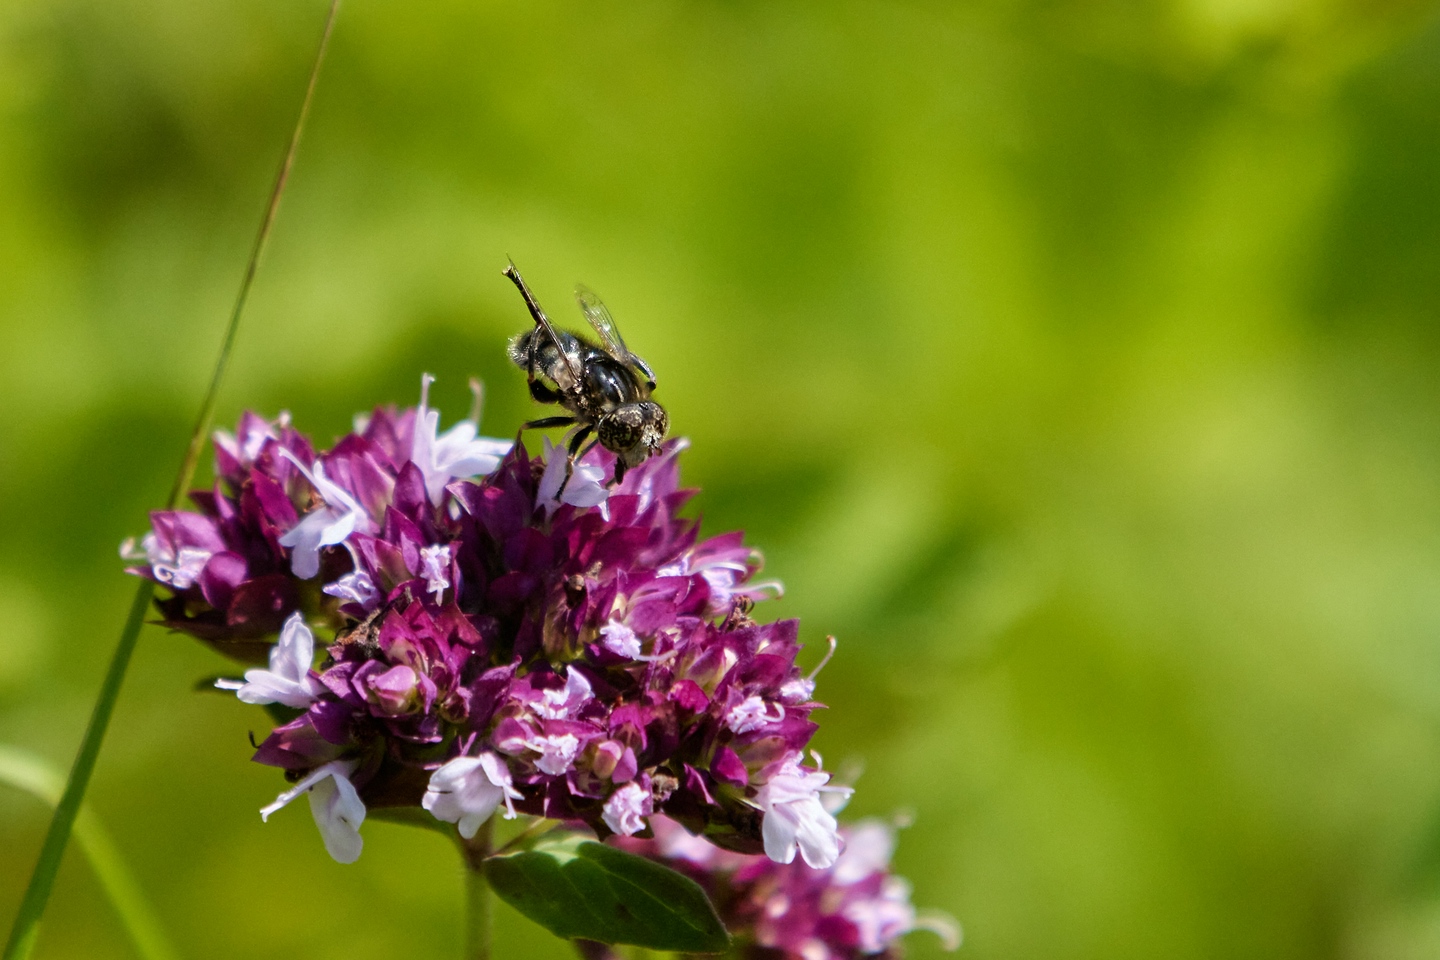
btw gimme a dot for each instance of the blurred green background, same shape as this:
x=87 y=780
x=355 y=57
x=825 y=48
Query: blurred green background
x=1074 y=361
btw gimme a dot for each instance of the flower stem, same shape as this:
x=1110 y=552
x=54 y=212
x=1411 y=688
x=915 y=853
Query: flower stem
x=42 y=880
x=477 y=895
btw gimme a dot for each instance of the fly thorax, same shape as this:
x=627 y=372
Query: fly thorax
x=608 y=384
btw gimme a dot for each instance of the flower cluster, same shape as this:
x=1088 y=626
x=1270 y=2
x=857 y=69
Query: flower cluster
x=852 y=908
x=506 y=633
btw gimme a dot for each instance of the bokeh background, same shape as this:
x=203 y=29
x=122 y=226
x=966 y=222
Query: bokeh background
x=1074 y=361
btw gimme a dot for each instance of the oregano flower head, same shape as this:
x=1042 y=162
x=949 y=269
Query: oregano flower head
x=500 y=633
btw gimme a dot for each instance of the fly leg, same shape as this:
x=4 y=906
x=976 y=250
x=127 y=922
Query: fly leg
x=541 y=393
x=545 y=423
x=572 y=366
x=577 y=440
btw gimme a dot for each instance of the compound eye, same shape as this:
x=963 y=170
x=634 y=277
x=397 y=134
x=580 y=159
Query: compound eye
x=619 y=431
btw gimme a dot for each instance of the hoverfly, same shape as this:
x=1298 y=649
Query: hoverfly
x=606 y=391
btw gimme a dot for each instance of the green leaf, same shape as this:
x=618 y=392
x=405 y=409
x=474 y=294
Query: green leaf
x=580 y=889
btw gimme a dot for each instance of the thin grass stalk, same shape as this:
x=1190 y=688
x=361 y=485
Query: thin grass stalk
x=37 y=895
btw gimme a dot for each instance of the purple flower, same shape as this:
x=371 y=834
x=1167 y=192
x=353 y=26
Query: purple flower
x=435 y=568
x=620 y=639
x=338 y=516
x=803 y=688
x=627 y=808
x=238 y=451
x=753 y=713
x=455 y=454
x=511 y=637
x=355 y=587
x=584 y=487
x=178 y=549
x=565 y=702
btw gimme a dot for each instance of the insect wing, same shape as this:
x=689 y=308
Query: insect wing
x=599 y=316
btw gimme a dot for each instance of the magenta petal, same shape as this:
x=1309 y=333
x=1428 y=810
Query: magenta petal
x=261 y=605
x=222 y=575
x=726 y=765
x=332 y=720
x=688 y=695
x=626 y=768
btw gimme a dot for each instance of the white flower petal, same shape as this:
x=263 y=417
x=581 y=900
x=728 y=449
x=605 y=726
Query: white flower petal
x=794 y=817
x=293 y=656
x=550 y=480
x=818 y=836
x=778 y=832
x=325 y=526
x=303 y=539
x=288 y=680
x=338 y=812
x=627 y=808
x=314 y=777
x=467 y=790
x=335 y=805
x=456 y=454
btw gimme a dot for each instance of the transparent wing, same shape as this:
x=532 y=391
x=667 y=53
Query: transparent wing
x=604 y=324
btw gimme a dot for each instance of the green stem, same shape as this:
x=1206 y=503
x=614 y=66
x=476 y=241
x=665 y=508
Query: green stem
x=478 y=908
x=42 y=880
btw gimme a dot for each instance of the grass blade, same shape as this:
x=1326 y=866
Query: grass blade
x=42 y=880
x=29 y=773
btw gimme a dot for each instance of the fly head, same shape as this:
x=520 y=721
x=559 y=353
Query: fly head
x=633 y=431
